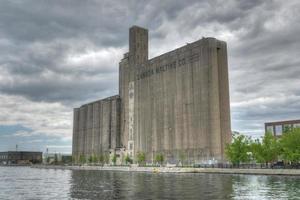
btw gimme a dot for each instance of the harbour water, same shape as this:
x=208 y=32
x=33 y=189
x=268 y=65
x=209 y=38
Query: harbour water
x=31 y=183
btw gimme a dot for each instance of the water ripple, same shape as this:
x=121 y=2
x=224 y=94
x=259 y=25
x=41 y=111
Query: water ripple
x=27 y=183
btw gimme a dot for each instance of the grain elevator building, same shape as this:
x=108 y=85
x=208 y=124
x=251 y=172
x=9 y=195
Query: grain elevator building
x=175 y=105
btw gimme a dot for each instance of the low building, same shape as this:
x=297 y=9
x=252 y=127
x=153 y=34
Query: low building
x=279 y=127
x=66 y=159
x=57 y=158
x=20 y=157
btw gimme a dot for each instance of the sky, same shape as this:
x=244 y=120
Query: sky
x=59 y=54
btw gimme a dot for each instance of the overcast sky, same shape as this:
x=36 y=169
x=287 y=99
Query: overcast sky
x=59 y=54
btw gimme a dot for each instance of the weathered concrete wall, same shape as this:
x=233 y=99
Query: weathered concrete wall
x=176 y=104
x=124 y=77
x=82 y=129
x=96 y=127
x=76 y=140
x=181 y=102
x=138 y=45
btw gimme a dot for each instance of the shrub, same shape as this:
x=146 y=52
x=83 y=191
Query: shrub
x=141 y=158
x=128 y=160
x=159 y=158
x=114 y=159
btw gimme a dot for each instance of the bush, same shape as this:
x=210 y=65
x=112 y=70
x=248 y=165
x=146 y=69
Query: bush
x=101 y=158
x=182 y=158
x=141 y=158
x=114 y=159
x=128 y=160
x=82 y=159
x=90 y=159
x=95 y=159
x=159 y=158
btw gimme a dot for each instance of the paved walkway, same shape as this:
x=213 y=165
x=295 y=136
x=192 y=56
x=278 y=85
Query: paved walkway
x=292 y=172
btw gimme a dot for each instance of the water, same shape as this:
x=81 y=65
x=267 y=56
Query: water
x=27 y=183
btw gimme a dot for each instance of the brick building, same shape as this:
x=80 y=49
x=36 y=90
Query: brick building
x=277 y=128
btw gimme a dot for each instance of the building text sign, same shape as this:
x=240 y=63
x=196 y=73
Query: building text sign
x=172 y=65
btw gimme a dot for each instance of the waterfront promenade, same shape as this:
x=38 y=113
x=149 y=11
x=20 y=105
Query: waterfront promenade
x=289 y=172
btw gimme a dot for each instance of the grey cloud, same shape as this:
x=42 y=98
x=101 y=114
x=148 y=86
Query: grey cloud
x=27 y=21
x=60 y=88
x=38 y=38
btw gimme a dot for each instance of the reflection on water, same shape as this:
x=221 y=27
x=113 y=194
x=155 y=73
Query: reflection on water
x=123 y=185
x=27 y=183
x=265 y=187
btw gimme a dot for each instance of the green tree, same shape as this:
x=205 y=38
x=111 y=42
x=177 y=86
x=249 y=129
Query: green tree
x=267 y=150
x=95 y=159
x=55 y=159
x=287 y=129
x=256 y=149
x=159 y=158
x=238 y=151
x=82 y=159
x=101 y=158
x=128 y=160
x=114 y=159
x=141 y=158
x=290 y=144
x=48 y=160
x=90 y=159
x=182 y=157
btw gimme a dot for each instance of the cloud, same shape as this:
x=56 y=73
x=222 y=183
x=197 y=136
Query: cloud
x=23 y=134
x=53 y=119
x=56 y=55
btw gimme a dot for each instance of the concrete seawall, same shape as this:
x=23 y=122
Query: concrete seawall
x=288 y=172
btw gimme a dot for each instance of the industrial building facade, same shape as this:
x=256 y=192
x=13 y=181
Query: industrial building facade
x=279 y=127
x=176 y=104
x=96 y=127
x=20 y=157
